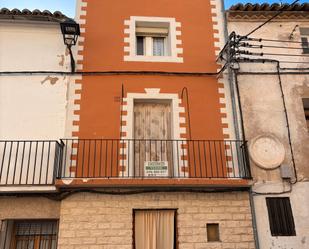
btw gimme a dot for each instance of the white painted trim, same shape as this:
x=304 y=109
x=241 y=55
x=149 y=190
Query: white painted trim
x=153 y=59
x=155 y=96
x=130 y=39
x=71 y=106
x=19 y=189
x=79 y=11
x=218 y=23
x=72 y=84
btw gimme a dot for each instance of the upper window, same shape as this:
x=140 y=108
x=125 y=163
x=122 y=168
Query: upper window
x=306 y=109
x=153 y=39
x=304 y=33
x=280 y=215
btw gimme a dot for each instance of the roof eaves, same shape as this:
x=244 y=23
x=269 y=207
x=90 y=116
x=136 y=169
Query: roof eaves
x=35 y=15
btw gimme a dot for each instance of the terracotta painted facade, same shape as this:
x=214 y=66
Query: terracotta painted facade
x=103 y=102
x=103 y=50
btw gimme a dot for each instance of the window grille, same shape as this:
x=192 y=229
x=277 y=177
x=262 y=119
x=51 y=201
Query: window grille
x=28 y=234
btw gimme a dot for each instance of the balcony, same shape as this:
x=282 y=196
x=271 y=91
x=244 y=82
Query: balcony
x=134 y=162
x=77 y=163
x=31 y=165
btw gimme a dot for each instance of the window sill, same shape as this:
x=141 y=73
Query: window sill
x=140 y=58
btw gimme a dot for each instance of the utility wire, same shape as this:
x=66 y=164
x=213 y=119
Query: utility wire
x=279 y=12
x=292 y=55
x=267 y=46
x=269 y=40
x=246 y=52
x=102 y=73
x=246 y=59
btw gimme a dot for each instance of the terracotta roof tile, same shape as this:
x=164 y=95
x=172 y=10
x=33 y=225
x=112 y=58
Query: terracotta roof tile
x=265 y=10
x=35 y=15
x=269 y=7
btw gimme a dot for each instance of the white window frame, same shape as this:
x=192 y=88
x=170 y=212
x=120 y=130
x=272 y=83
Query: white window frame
x=172 y=52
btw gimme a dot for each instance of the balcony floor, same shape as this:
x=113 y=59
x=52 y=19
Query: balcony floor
x=27 y=189
x=146 y=182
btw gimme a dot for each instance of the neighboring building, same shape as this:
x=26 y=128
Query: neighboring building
x=274 y=98
x=149 y=127
x=32 y=108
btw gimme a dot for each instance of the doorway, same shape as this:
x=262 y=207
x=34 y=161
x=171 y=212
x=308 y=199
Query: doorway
x=152 y=139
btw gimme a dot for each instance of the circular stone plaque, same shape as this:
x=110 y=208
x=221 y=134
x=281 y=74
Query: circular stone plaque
x=266 y=151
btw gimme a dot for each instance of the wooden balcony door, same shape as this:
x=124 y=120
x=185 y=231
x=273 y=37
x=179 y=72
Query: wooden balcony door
x=152 y=134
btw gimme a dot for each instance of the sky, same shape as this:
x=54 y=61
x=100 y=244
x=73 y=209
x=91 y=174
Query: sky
x=68 y=6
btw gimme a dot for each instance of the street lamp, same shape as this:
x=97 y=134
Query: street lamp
x=70 y=31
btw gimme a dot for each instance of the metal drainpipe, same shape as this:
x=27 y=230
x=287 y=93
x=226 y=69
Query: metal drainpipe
x=254 y=225
x=237 y=131
x=232 y=84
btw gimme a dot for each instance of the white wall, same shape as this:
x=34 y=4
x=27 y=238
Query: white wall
x=32 y=107
x=263 y=113
x=299 y=198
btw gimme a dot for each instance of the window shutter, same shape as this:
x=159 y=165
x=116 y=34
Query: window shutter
x=36 y=228
x=140 y=45
x=280 y=216
x=305 y=45
x=148 y=31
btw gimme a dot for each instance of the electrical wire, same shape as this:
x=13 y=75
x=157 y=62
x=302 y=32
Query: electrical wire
x=292 y=55
x=102 y=73
x=273 y=73
x=269 y=40
x=185 y=90
x=270 y=19
x=267 y=46
x=247 y=52
x=278 y=73
x=246 y=59
x=65 y=195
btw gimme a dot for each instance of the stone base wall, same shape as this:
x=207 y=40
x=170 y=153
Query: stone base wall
x=93 y=221
x=28 y=208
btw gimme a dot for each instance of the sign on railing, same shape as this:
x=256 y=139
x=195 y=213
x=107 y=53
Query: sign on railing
x=156 y=168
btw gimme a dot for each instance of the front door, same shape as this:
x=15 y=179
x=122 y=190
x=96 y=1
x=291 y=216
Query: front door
x=152 y=139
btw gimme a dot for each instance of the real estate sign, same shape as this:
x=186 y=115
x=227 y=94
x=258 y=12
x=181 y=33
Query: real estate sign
x=156 y=168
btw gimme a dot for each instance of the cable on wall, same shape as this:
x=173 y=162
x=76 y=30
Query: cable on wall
x=121 y=108
x=185 y=90
x=278 y=73
x=102 y=73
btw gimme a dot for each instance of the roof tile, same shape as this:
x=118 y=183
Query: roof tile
x=35 y=15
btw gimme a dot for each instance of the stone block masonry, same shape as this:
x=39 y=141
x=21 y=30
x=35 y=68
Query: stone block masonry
x=93 y=221
x=17 y=208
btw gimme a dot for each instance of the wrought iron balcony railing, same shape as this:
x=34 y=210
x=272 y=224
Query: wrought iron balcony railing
x=134 y=158
x=28 y=163
x=40 y=163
